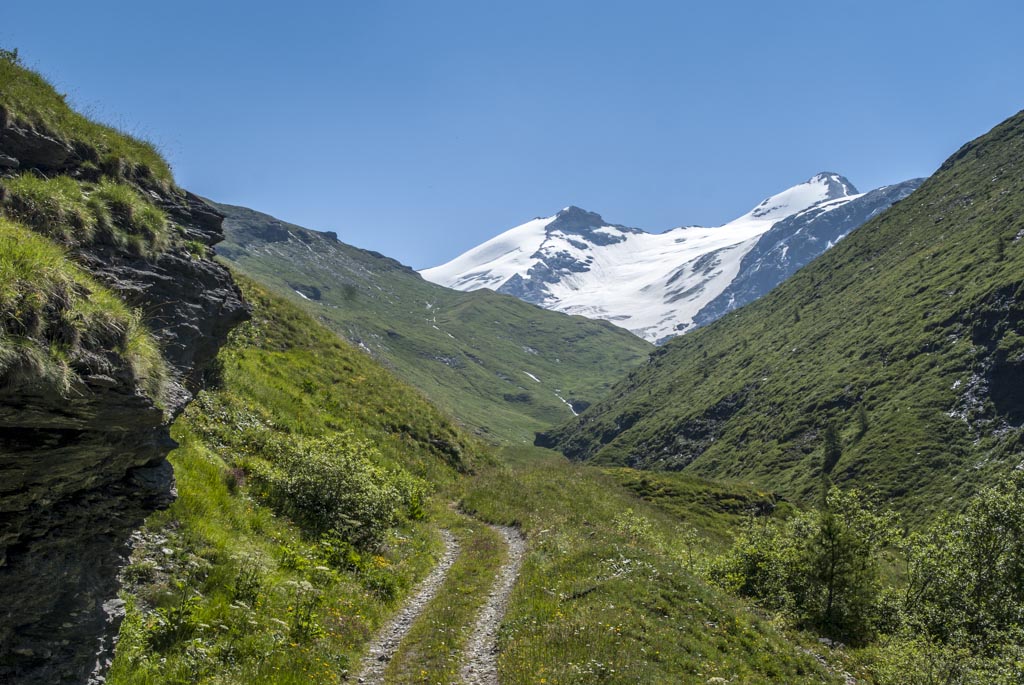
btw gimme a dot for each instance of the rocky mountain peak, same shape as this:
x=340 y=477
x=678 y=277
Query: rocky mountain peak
x=578 y=221
x=838 y=185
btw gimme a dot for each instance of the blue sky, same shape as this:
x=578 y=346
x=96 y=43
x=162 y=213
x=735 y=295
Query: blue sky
x=420 y=129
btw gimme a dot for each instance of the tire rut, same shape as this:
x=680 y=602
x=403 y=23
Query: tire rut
x=480 y=664
x=384 y=645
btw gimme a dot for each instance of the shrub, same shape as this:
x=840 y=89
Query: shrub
x=820 y=566
x=334 y=486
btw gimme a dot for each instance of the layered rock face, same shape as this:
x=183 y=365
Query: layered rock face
x=80 y=470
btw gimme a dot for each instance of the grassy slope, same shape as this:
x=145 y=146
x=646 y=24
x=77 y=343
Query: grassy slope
x=606 y=593
x=597 y=602
x=469 y=352
x=309 y=614
x=905 y=318
x=27 y=97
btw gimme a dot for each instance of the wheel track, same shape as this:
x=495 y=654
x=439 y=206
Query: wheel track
x=480 y=659
x=383 y=647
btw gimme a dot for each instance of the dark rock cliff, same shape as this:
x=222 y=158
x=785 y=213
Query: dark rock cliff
x=80 y=470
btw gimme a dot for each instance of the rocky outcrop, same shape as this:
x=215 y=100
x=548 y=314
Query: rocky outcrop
x=80 y=470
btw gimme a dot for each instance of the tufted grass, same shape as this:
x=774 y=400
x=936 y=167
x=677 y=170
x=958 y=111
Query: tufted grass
x=29 y=98
x=52 y=314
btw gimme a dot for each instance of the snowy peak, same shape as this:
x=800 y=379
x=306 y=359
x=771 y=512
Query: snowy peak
x=818 y=188
x=654 y=284
x=575 y=221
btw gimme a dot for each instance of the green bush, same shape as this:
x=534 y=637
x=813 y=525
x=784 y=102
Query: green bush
x=823 y=567
x=966 y=573
x=335 y=486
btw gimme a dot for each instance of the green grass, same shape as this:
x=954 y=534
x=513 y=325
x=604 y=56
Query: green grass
x=28 y=98
x=79 y=213
x=606 y=594
x=56 y=322
x=246 y=594
x=431 y=651
x=905 y=336
x=55 y=207
x=715 y=508
x=468 y=352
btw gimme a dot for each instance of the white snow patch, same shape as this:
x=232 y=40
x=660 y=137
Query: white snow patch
x=567 y=404
x=532 y=376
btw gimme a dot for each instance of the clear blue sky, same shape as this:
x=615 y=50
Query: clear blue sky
x=422 y=128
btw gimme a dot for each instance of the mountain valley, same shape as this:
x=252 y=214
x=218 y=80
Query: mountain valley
x=236 y=450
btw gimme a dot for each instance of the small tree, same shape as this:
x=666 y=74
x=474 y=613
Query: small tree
x=842 y=558
x=822 y=567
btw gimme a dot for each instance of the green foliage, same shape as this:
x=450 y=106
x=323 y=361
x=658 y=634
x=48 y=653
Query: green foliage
x=270 y=600
x=965 y=574
x=822 y=567
x=55 y=207
x=903 y=316
x=468 y=352
x=54 y=317
x=832 y=448
x=334 y=486
x=33 y=102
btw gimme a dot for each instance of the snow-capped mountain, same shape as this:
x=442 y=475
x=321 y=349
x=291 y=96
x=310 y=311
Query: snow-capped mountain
x=659 y=285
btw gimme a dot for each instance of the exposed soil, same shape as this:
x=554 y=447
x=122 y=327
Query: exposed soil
x=480 y=666
x=386 y=643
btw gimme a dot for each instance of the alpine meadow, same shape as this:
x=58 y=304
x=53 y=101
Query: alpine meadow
x=779 y=439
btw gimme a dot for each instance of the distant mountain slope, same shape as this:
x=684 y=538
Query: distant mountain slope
x=908 y=337
x=499 y=364
x=795 y=241
x=661 y=285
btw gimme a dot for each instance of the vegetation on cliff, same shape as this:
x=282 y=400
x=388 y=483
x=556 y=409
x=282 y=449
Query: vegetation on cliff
x=30 y=100
x=59 y=323
x=304 y=511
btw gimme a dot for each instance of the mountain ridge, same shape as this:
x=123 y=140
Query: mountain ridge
x=657 y=285
x=501 y=365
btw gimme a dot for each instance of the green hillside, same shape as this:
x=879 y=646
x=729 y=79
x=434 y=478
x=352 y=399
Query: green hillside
x=235 y=582
x=472 y=353
x=893 y=362
x=304 y=482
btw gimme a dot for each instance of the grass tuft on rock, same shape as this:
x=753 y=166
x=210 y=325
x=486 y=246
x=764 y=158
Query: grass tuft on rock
x=28 y=98
x=56 y=322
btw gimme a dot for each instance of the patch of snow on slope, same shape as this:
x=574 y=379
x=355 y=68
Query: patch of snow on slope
x=492 y=263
